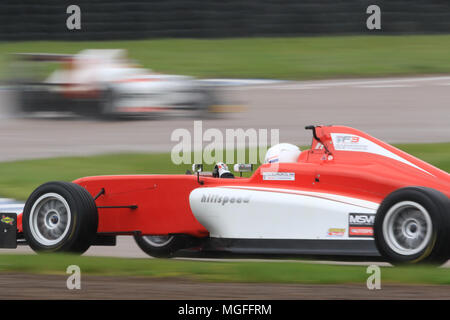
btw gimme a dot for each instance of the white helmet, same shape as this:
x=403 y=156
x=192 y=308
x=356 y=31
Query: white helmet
x=282 y=152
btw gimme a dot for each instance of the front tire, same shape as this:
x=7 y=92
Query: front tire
x=204 y=108
x=412 y=225
x=60 y=217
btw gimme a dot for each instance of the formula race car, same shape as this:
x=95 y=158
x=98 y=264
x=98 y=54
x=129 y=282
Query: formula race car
x=105 y=83
x=349 y=194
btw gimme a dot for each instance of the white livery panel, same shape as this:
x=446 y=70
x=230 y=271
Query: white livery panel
x=270 y=213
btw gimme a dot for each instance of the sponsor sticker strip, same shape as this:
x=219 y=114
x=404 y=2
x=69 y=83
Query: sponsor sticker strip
x=360 y=232
x=336 y=232
x=279 y=176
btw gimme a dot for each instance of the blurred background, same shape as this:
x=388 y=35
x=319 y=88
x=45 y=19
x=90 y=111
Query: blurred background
x=140 y=19
x=234 y=64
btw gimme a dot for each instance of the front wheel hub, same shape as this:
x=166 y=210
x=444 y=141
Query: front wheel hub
x=50 y=219
x=407 y=228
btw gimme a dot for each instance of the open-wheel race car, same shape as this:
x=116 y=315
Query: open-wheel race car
x=348 y=195
x=106 y=83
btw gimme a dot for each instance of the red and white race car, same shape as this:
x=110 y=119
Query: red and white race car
x=350 y=194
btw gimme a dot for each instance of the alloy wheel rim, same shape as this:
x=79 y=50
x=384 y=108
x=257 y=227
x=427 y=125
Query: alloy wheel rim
x=50 y=218
x=158 y=241
x=407 y=228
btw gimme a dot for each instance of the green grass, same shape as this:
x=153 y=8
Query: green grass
x=437 y=154
x=279 y=58
x=20 y=178
x=226 y=271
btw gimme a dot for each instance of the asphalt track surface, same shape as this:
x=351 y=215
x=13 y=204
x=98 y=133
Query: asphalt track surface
x=395 y=110
x=27 y=286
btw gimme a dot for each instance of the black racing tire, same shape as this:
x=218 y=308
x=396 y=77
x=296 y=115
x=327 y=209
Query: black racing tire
x=165 y=248
x=28 y=100
x=101 y=107
x=106 y=109
x=402 y=226
x=204 y=108
x=60 y=217
x=23 y=101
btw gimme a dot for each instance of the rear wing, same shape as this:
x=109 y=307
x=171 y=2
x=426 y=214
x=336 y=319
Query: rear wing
x=42 y=57
x=33 y=68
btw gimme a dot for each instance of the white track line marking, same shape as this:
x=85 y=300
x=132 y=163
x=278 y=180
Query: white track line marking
x=387 y=86
x=6 y=200
x=310 y=88
x=369 y=82
x=242 y=82
x=10 y=205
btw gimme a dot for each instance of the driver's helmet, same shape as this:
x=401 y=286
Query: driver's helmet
x=282 y=152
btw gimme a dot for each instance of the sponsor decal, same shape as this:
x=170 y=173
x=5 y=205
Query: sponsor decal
x=349 y=142
x=223 y=200
x=360 y=232
x=336 y=232
x=361 y=219
x=7 y=220
x=280 y=176
x=360 y=224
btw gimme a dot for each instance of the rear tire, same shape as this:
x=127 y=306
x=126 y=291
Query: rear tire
x=60 y=217
x=204 y=108
x=30 y=100
x=161 y=246
x=106 y=104
x=412 y=226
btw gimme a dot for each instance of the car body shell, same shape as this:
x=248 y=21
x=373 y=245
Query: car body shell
x=311 y=199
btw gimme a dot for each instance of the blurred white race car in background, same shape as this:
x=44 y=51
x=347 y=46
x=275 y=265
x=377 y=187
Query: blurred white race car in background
x=106 y=83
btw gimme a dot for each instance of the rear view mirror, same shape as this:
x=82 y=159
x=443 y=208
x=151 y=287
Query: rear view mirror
x=241 y=167
x=197 y=167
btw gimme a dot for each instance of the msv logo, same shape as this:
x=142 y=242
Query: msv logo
x=359 y=219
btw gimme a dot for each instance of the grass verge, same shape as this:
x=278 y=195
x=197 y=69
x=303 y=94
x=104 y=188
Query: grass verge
x=226 y=271
x=278 y=58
